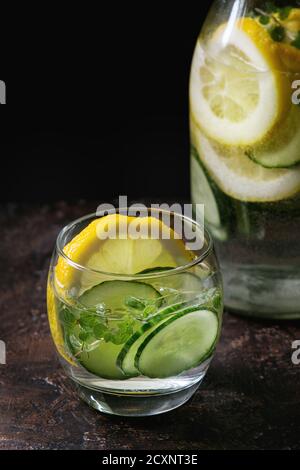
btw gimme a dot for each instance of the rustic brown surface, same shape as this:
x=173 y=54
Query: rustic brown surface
x=249 y=399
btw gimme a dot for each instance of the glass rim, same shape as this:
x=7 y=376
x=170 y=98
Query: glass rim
x=161 y=273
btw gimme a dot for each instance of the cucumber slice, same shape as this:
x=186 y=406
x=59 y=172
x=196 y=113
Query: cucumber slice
x=206 y=192
x=202 y=192
x=178 y=344
x=114 y=294
x=185 y=287
x=102 y=361
x=99 y=360
x=125 y=360
x=183 y=283
x=283 y=151
x=278 y=158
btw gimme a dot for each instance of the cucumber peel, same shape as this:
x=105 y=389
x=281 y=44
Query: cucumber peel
x=179 y=344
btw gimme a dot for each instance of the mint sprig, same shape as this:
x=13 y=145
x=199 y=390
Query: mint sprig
x=274 y=19
x=85 y=328
x=277 y=33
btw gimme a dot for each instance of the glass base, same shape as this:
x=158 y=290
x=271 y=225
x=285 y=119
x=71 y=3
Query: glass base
x=262 y=291
x=135 y=405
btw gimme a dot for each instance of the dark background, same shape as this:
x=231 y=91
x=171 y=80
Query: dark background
x=97 y=102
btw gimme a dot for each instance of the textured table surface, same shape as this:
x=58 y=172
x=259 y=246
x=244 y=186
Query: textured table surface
x=249 y=400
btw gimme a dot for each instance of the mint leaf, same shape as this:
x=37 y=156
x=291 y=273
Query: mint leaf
x=99 y=330
x=83 y=335
x=134 y=302
x=120 y=336
x=149 y=310
x=284 y=13
x=67 y=316
x=121 y=332
x=277 y=33
x=217 y=301
x=87 y=322
x=264 y=20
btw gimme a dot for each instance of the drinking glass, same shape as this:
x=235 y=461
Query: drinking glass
x=134 y=343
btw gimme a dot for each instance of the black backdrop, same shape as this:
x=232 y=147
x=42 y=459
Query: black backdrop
x=98 y=105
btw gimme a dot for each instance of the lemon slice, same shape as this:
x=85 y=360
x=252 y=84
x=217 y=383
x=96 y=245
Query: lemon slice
x=237 y=92
x=117 y=255
x=241 y=178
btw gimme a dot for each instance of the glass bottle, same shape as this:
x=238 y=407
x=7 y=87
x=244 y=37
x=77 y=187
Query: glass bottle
x=245 y=150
